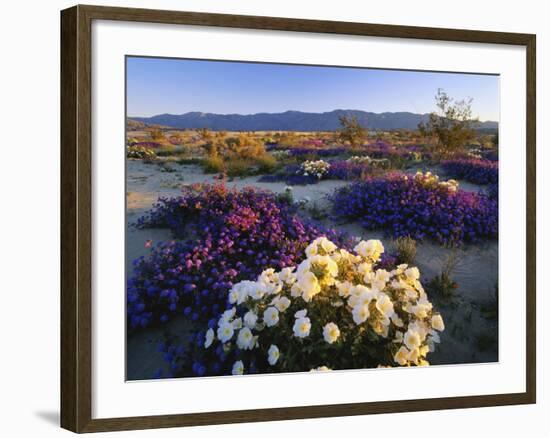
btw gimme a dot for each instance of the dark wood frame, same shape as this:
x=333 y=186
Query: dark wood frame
x=76 y=225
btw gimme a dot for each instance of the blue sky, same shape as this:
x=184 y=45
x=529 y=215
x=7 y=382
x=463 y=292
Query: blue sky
x=177 y=86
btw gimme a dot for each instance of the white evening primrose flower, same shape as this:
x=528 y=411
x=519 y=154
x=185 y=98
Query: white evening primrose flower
x=311 y=249
x=331 y=332
x=360 y=314
x=372 y=249
x=238 y=368
x=271 y=316
x=384 y=305
x=257 y=290
x=302 y=327
x=209 y=338
x=287 y=276
x=227 y=315
x=273 y=355
x=245 y=339
x=321 y=368
x=412 y=273
x=412 y=339
x=437 y=322
x=401 y=356
x=250 y=319
x=343 y=288
x=326 y=263
x=237 y=323
x=295 y=290
x=365 y=269
x=398 y=322
x=300 y=313
x=414 y=356
x=281 y=303
x=225 y=332
x=326 y=244
x=309 y=285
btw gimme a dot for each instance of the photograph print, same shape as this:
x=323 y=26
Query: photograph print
x=303 y=218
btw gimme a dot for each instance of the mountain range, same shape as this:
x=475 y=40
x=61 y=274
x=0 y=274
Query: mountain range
x=291 y=121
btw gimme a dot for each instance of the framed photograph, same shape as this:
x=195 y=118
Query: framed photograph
x=270 y=218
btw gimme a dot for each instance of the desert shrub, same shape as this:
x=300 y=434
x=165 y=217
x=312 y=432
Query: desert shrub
x=352 y=132
x=473 y=170
x=156 y=134
x=231 y=236
x=443 y=284
x=406 y=249
x=266 y=163
x=245 y=146
x=213 y=164
x=166 y=150
x=334 y=310
x=451 y=125
x=140 y=152
x=420 y=207
x=238 y=167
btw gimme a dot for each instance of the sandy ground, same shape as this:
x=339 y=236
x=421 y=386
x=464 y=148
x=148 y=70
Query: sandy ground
x=471 y=334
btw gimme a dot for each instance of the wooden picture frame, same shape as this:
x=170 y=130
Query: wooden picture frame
x=76 y=217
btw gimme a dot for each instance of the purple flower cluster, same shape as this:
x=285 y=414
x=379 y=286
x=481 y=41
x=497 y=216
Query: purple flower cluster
x=473 y=170
x=347 y=170
x=230 y=236
x=321 y=153
x=382 y=149
x=341 y=170
x=405 y=207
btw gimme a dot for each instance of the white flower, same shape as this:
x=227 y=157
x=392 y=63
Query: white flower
x=321 y=368
x=343 y=288
x=370 y=249
x=412 y=273
x=309 y=285
x=384 y=305
x=360 y=314
x=326 y=263
x=257 y=291
x=245 y=339
x=301 y=328
x=227 y=315
x=300 y=313
x=237 y=323
x=273 y=355
x=412 y=339
x=238 y=368
x=437 y=322
x=326 y=244
x=287 y=276
x=281 y=303
x=209 y=338
x=331 y=332
x=225 y=332
x=250 y=319
x=402 y=356
x=271 y=316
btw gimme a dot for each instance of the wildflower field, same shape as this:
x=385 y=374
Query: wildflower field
x=306 y=218
x=265 y=252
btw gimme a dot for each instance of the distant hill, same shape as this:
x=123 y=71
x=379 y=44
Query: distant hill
x=290 y=121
